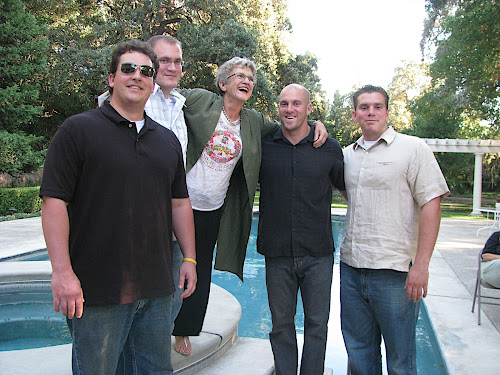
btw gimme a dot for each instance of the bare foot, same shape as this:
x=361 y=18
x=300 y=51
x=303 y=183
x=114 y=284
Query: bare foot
x=182 y=345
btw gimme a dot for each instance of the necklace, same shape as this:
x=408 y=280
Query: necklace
x=234 y=123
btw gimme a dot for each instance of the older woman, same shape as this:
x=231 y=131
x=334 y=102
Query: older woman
x=223 y=162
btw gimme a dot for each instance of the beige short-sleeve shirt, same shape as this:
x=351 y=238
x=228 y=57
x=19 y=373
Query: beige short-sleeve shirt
x=387 y=185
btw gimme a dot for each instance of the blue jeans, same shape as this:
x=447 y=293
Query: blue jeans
x=284 y=277
x=374 y=305
x=133 y=338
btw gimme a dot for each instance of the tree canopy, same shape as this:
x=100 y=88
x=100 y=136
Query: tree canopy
x=56 y=54
x=82 y=34
x=23 y=66
x=466 y=64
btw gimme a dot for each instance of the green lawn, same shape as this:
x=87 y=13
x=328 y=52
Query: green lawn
x=452 y=207
x=456 y=207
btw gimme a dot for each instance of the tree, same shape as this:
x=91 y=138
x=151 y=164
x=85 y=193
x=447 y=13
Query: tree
x=302 y=69
x=23 y=65
x=343 y=127
x=437 y=114
x=20 y=153
x=82 y=34
x=467 y=59
x=409 y=82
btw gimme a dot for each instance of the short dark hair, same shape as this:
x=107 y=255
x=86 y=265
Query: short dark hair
x=369 y=89
x=133 y=45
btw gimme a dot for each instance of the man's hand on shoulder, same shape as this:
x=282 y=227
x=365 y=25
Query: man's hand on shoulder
x=320 y=134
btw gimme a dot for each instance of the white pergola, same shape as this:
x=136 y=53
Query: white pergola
x=479 y=147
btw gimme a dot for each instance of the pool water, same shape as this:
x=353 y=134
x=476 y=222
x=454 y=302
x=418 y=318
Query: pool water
x=28 y=320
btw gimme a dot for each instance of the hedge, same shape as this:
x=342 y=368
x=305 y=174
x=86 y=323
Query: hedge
x=21 y=199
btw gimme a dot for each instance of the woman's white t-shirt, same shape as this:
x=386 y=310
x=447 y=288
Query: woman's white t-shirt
x=209 y=178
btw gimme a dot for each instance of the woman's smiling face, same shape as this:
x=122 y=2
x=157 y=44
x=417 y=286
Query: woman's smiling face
x=239 y=84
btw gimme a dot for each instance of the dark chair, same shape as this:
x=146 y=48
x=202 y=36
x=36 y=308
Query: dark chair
x=478 y=293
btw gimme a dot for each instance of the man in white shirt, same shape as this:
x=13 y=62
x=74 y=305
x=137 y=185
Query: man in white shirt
x=165 y=107
x=165 y=104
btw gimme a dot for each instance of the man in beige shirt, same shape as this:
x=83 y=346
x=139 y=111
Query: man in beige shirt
x=394 y=188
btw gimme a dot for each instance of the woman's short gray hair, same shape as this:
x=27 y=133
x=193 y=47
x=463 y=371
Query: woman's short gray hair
x=225 y=70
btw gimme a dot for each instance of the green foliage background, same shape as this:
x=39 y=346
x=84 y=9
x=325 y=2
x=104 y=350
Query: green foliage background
x=55 y=56
x=19 y=200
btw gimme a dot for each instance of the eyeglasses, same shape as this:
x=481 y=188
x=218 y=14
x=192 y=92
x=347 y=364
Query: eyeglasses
x=129 y=68
x=241 y=77
x=177 y=62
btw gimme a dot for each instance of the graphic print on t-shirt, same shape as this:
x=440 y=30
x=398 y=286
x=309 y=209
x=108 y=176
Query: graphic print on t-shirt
x=223 y=146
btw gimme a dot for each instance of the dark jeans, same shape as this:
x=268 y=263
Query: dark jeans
x=374 y=304
x=284 y=277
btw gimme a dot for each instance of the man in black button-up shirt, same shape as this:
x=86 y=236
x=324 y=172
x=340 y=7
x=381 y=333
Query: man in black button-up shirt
x=295 y=231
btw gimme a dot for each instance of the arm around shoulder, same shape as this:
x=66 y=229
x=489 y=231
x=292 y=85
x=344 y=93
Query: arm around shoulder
x=320 y=134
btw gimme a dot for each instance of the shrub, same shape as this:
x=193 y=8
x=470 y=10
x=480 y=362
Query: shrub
x=20 y=152
x=16 y=200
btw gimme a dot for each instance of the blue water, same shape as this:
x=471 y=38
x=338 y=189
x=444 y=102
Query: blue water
x=46 y=328
x=28 y=320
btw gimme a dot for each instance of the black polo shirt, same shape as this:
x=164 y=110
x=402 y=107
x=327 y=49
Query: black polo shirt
x=119 y=187
x=296 y=195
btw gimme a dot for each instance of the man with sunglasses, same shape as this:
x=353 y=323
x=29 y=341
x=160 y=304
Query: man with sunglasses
x=165 y=107
x=113 y=189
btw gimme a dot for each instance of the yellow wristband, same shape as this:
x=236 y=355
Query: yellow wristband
x=190 y=260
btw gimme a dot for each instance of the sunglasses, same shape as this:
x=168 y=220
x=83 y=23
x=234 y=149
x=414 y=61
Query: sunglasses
x=129 y=68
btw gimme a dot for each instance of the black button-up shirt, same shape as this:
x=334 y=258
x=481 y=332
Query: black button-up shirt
x=296 y=194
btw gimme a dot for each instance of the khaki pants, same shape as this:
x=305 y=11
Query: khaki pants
x=491 y=272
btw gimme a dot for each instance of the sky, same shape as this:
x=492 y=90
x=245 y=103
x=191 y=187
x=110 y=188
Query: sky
x=357 y=41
